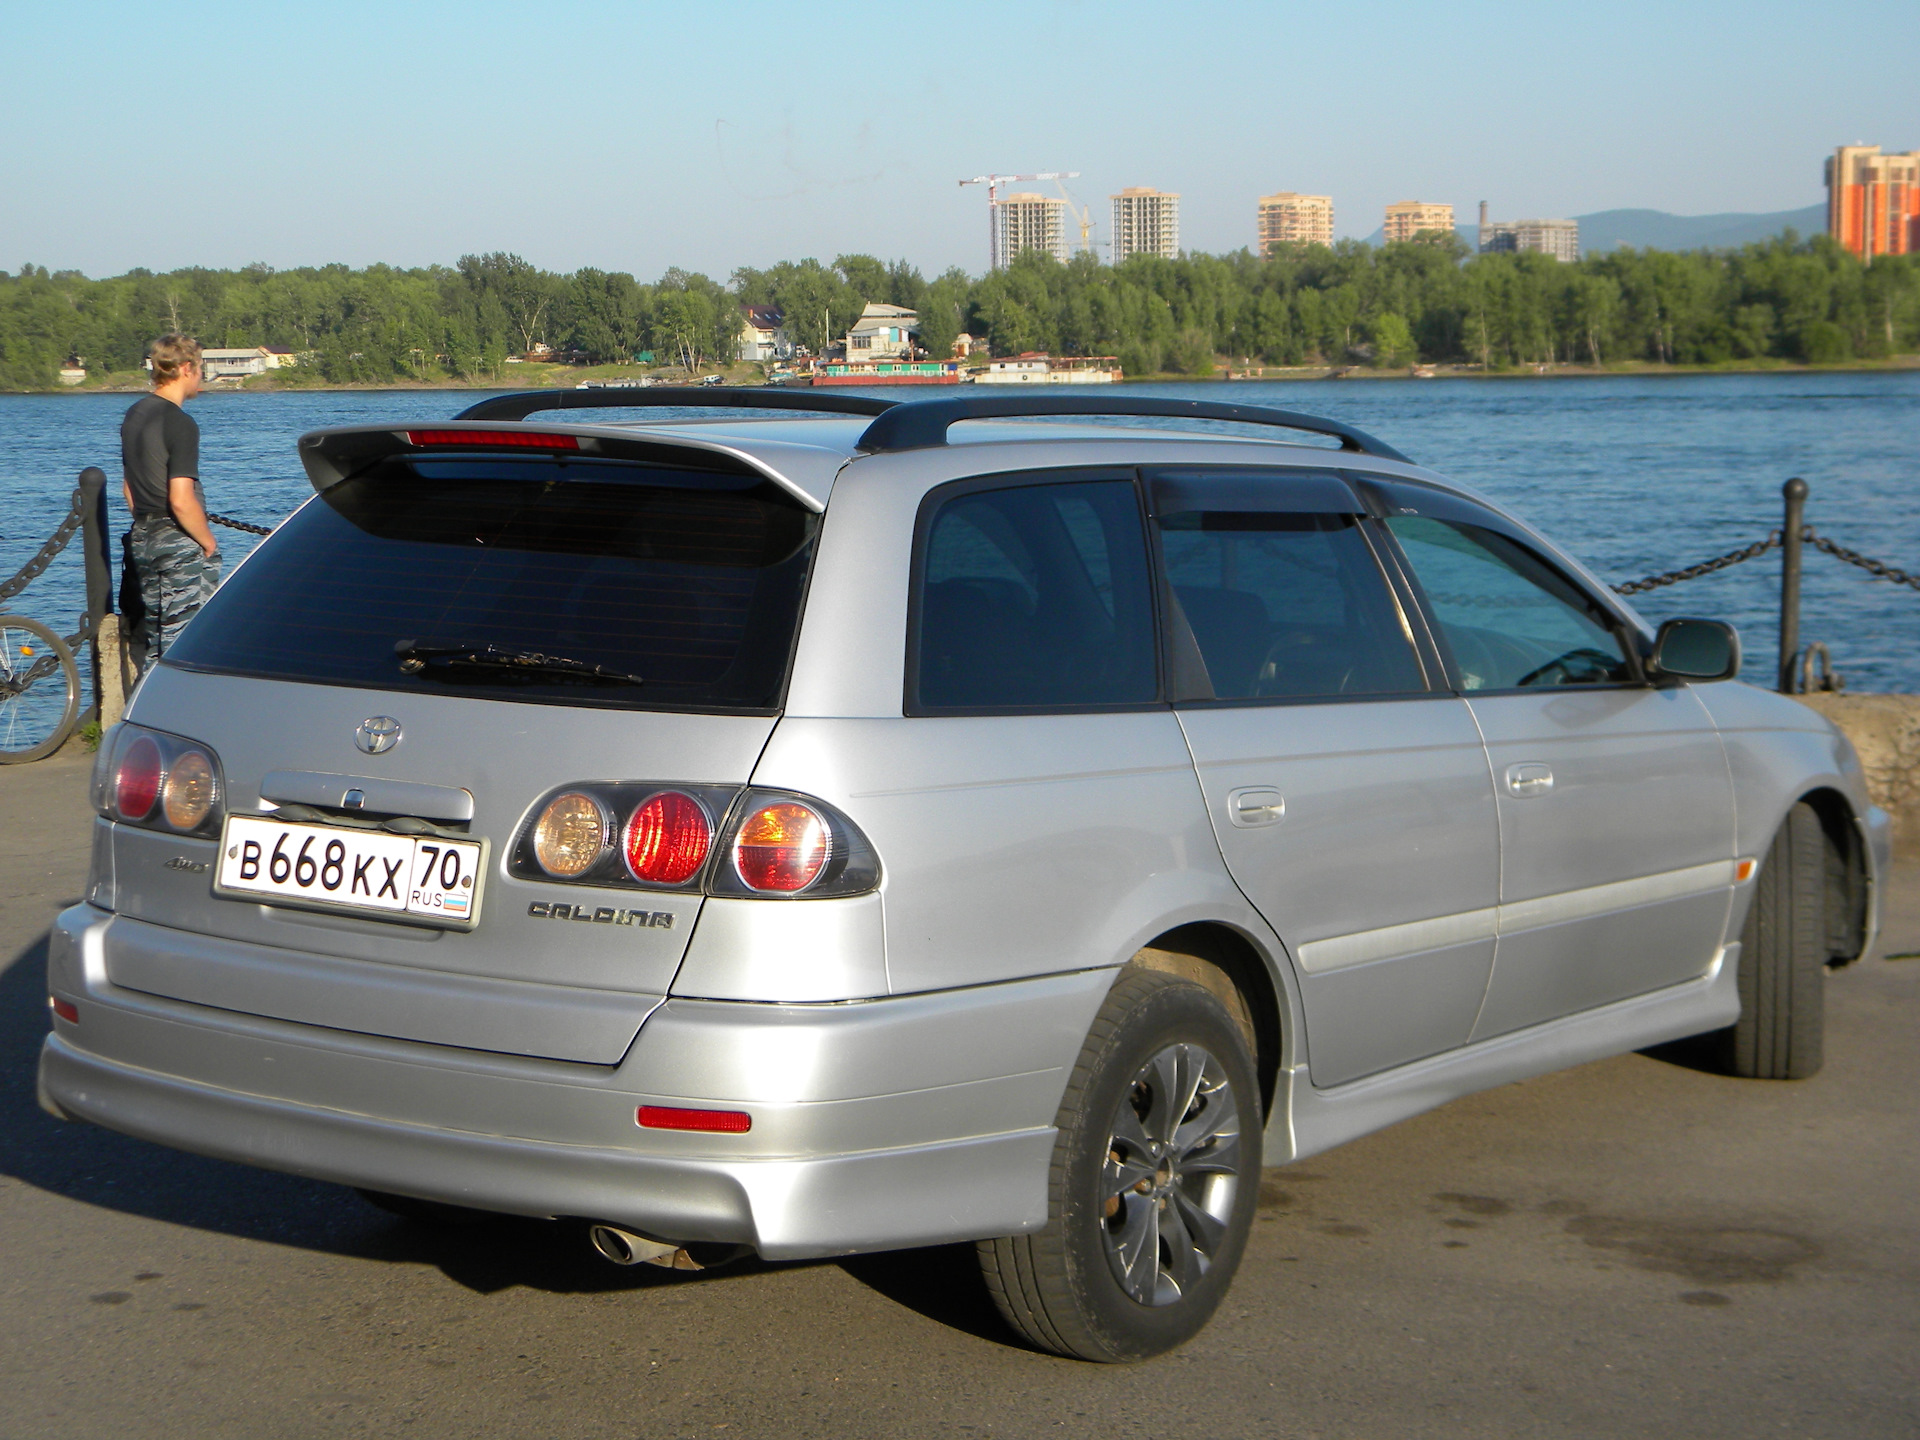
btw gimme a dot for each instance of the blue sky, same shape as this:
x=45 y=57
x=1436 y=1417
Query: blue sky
x=638 y=136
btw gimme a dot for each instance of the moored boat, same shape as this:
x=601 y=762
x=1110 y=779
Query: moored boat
x=1037 y=368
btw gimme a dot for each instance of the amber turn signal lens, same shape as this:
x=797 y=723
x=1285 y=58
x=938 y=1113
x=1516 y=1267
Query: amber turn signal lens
x=667 y=839
x=188 y=794
x=782 y=847
x=136 y=784
x=570 y=834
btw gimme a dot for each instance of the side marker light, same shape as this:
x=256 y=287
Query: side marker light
x=1743 y=871
x=674 y=1117
x=65 y=1009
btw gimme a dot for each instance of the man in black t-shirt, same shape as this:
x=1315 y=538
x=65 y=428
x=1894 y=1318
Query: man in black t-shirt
x=171 y=546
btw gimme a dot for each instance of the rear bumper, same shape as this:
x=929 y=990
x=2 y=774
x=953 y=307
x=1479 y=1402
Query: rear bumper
x=876 y=1125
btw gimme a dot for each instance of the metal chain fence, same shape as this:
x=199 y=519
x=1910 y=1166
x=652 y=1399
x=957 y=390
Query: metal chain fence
x=1705 y=567
x=1876 y=568
x=1880 y=570
x=31 y=571
x=233 y=524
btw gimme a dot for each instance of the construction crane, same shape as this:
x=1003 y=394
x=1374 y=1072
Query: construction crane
x=993 y=184
x=1082 y=214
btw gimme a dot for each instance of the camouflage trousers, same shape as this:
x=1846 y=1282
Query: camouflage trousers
x=176 y=579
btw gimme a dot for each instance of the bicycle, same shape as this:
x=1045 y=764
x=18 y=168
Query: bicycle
x=39 y=690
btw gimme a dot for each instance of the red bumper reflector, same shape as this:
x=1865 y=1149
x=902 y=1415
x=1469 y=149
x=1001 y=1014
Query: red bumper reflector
x=673 y=1117
x=67 y=1012
x=497 y=439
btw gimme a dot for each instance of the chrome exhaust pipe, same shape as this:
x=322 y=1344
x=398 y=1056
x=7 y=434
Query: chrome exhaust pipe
x=623 y=1247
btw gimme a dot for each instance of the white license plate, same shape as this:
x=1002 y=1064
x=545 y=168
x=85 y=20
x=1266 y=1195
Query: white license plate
x=423 y=878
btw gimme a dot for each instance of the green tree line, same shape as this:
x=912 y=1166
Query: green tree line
x=1350 y=303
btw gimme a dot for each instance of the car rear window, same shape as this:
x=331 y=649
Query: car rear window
x=689 y=579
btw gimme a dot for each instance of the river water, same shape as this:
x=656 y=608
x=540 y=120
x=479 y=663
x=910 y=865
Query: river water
x=1633 y=474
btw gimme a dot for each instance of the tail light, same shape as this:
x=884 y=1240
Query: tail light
x=136 y=780
x=569 y=835
x=160 y=781
x=651 y=836
x=782 y=847
x=187 y=796
x=668 y=839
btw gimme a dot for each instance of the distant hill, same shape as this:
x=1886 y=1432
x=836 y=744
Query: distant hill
x=1657 y=230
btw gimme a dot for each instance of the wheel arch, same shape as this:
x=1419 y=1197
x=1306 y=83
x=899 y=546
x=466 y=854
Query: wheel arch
x=1225 y=962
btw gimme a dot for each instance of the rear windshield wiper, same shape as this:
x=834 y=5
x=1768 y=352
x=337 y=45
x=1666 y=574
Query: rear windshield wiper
x=461 y=660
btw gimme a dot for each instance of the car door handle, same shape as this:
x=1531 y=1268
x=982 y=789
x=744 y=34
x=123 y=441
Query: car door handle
x=1255 y=805
x=1528 y=781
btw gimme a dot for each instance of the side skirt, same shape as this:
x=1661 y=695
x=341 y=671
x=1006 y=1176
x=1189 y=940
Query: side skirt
x=1307 y=1120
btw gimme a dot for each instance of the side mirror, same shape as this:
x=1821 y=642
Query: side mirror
x=1694 y=650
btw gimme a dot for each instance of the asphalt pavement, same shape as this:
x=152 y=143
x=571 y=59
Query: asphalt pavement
x=1630 y=1248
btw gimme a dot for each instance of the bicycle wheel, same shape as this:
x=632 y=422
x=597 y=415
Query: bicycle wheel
x=39 y=690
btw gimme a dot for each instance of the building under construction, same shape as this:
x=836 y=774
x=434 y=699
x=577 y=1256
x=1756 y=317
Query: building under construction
x=1145 y=222
x=1029 y=221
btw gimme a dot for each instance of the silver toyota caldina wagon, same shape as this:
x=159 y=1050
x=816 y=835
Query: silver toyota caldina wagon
x=909 y=824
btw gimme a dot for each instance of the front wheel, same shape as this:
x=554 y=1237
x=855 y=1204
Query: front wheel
x=39 y=690
x=1783 y=960
x=1153 y=1185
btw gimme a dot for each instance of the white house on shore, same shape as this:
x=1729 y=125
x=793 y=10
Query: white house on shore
x=238 y=364
x=883 y=332
x=763 y=334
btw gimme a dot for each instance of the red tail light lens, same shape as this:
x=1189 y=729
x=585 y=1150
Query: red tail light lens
x=675 y=1117
x=668 y=839
x=782 y=847
x=136 y=785
x=494 y=439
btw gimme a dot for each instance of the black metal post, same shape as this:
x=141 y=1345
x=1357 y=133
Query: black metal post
x=1795 y=492
x=93 y=542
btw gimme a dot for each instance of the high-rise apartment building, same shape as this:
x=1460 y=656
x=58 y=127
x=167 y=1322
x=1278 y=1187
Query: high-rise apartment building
x=1029 y=221
x=1873 y=200
x=1294 y=219
x=1558 y=238
x=1145 y=222
x=1408 y=218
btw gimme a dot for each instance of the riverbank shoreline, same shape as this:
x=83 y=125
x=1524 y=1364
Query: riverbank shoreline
x=558 y=377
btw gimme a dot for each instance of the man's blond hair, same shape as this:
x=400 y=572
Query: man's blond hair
x=172 y=353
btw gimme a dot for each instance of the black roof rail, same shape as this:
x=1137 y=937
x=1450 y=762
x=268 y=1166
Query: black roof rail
x=922 y=424
x=526 y=402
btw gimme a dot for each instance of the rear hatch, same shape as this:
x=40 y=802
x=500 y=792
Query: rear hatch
x=533 y=619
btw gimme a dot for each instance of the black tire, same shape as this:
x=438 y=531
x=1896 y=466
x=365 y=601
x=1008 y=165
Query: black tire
x=1783 y=960
x=1062 y=1288
x=35 y=718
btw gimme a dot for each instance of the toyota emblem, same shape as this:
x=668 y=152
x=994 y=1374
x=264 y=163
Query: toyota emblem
x=377 y=734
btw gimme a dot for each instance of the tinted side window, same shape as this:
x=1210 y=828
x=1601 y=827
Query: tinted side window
x=1510 y=619
x=1035 y=595
x=1289 y=605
